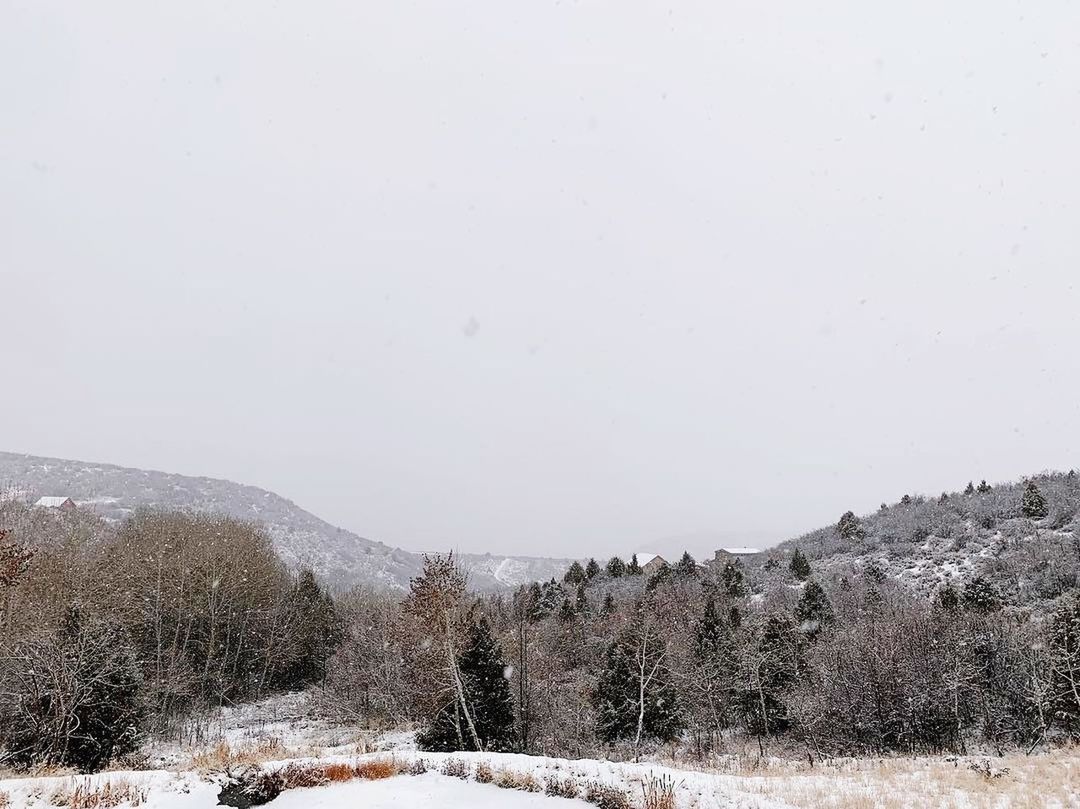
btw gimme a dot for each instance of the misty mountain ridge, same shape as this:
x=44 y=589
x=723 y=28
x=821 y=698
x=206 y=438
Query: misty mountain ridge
x=1021 y=538
x=339 y=556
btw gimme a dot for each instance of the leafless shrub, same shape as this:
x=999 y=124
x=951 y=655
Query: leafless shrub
x=298 y=776
x=984 y=769
x=562 y=787
x=484 y=773
x=455 y=768
x=607 y=797
x=417 y=767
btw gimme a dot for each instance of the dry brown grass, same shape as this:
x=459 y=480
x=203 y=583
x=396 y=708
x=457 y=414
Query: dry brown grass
x=378 y=768
x=1046 y=781
x=484 y=773
x=521 y=781
x=101 y=795
x=222 y=756
x=336 y=773
x=658 y=793
x=567 y=787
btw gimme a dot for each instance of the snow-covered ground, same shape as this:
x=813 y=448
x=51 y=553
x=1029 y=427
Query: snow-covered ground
x=278 y=733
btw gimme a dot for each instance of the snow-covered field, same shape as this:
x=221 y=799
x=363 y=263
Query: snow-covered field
x=277 y=735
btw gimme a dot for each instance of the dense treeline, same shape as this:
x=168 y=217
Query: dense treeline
x=107 y=634
x=110 y=633
x=786 y=655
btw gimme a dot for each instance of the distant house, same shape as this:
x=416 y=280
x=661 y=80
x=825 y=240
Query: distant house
x=63 y=503
x=724 y=555
x=650 y=562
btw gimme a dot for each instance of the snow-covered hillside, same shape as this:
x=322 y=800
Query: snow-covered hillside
x=339 y=556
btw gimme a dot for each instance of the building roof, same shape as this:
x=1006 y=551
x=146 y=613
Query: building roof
x=52 y=502
x=644 y=558
x=741 y=551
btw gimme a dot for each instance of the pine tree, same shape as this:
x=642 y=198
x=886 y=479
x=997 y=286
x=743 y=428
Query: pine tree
x=731 y=577
x=970 y=488
x=849 y=526
x=616 y=567
x=944 y=497
x=592 y=570
x=575 y=574
x=984 y=488
x=980 y=595
x=1033 y=503
x=487 y=692
x=567 y=613
x=634 y=699
x=608 y=607
x=905 y=500
x=317 y=632
x=633 y=569
x=800 y=566
x=717 y=658
x=535 y=603
x=814 y=609
x=948 y=599
x=687 y=566
x=581 y=602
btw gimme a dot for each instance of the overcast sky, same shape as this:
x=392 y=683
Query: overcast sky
x=545 y=277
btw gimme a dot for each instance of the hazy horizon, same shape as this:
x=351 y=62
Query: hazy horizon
x=551 y=280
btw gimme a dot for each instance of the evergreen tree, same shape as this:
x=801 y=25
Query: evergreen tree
x=716 y=655
x=1033 y=503
x=733 y=580
x=581 y=602
x=487 y=691
x=984 y=488
x=687 y=566
x=634 y=699
x=814 y=609
x=592 y=570
x=800 y=566
x=905 y=500
x=567 y=613
x=944 y=497
x=633 y=569
x=849 y=526
x=608 y=607
x=771 y=665
x=616 y=567
x=980 y=595
x=317 y=633
x=948 y=599
x=535 y=603
x=970 y=488
x=575 y=574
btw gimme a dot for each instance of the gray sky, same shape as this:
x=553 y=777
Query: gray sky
x=545 y=277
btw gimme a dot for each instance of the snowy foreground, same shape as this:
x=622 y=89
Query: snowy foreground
x=1054 y=782
x=278 y=737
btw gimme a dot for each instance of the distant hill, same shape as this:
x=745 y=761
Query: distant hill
x=925 y=542
x=338 y=556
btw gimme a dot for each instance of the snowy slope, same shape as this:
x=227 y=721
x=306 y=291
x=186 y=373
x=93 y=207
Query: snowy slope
x=338 y=555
